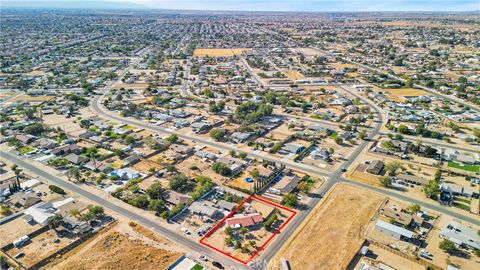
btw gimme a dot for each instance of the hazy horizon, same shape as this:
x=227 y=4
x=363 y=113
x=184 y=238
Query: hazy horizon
x=260 y=5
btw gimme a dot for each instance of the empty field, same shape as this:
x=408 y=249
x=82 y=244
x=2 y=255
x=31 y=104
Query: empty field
x=219 y=52
x=293 y=74
x=406 y=92
x=117 y=249
x=333 y=231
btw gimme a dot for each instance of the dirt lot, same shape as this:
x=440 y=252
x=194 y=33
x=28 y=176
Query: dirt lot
x=40 y=247
x=219 y=52
x=323 y=228
x=69 y=125
x=389 y=258
x=121 y=247
x=400 y=93
x=307 y=51
x=293 y=74
x=25 y=97
x=359 y=174
x=13 y=230
x=131 y=85
x=144 y=166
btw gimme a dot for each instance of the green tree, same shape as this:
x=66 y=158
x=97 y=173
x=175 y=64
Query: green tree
x=155 y=190
x=96 y=210
x=229 y=241
x=221 y=168
x=85 y=123
x=362 y=135
x=178 y=182
x=140 y=201
x=172 y=138
x=290 y=200
x=75 y=173
x=55 y=222
x=57 y=189
x=254 y=173
x=34 y=129
x=414 y=208
x=243 y=231
x=218 y=134
x=242 y=155
x=477 y=251
x=392 y=167
x=447 y=246
x=438 y=175
x=402 y=129
x=431 y=189
x=229 y=231
x=338 y=140
x=5 y=210
x=156 y=205
x=476 y=133
x=129 y=139
x=385 y=181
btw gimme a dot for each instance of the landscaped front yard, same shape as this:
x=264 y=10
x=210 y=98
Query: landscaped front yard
x=25 y=149
x=472 y=168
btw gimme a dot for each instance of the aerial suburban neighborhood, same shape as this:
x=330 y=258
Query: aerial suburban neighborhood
x=137 y=138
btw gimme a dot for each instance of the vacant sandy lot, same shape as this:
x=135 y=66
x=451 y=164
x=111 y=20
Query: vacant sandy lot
x=401 y=93
x=333 y=231
x=219 y=52
x=25 y=97
x=40 y=247
x=119 y=248
x=307 y=51
x=293 y=74
x=131 y=85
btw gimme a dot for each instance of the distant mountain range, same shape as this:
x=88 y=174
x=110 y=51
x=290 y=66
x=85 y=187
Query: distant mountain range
x=86 y=4
x=467 y=6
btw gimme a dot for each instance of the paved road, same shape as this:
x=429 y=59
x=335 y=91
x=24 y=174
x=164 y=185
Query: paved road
x=172 y=235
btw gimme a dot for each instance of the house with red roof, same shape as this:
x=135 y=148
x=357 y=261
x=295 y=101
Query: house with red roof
x=238 y=221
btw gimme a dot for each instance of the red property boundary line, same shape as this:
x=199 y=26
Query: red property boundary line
x=202 y=241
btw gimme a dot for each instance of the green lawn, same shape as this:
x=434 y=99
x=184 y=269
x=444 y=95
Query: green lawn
x=461 y=206
x=197 y=267
x=127 y=127
x=462 y=200
x=315 y=116
x=25 y=149
x=333 y=135
x=472 y=168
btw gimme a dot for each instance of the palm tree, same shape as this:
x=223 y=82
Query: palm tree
x=17 y=172
x=75 y=172
x=229 y=241
x=243 y=231
x=74 y=212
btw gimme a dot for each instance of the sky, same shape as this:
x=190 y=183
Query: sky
x=275 y=5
